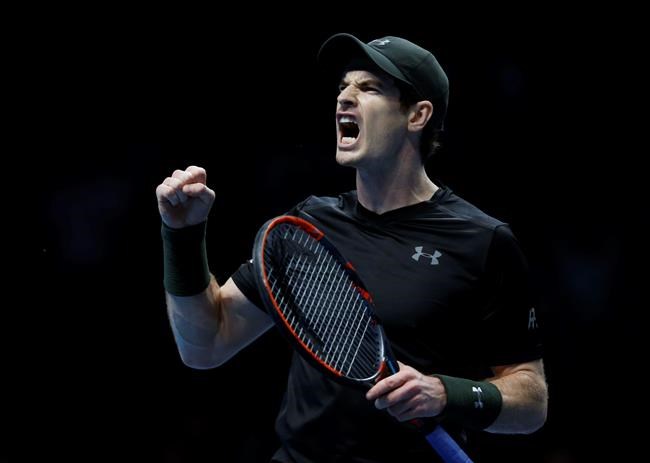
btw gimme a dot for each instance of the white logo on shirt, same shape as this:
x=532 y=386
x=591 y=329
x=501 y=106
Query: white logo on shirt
x=532 y=319
x=419 y=253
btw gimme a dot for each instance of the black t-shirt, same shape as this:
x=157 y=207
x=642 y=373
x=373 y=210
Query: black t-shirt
x=450 y=286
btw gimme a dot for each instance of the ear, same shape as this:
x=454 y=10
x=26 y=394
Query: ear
x=419 y=115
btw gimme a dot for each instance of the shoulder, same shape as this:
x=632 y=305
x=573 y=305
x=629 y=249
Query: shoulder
x=461 y=209
x=313 y=203
x=478 y=232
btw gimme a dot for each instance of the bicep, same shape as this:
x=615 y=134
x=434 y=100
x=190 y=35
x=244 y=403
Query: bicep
x=242 y=321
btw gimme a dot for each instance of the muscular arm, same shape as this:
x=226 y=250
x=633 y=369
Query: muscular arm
x=212 y=326
x=410 y=394
x=215 y=324
x=525 y=398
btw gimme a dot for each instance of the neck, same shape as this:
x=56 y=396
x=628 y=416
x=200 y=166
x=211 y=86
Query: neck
x=391 y=188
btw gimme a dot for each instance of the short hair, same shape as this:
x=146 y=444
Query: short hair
x=430 y=138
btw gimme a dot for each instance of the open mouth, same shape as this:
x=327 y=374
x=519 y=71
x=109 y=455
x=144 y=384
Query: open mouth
x=348 y=130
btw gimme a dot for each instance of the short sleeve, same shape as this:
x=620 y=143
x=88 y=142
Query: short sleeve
x=244 y=277
x=510 y=327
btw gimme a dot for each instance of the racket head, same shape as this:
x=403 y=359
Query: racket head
x=319 y=302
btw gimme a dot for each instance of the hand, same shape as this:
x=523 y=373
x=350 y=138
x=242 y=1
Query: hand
x=409 y=394
x=184 y=199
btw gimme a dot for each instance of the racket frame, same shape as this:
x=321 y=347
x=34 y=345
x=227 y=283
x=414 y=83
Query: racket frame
x=387 y=365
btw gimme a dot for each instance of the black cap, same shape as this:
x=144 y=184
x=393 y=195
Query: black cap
x=399 y=58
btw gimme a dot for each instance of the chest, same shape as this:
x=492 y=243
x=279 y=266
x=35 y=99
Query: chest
x=419 y=277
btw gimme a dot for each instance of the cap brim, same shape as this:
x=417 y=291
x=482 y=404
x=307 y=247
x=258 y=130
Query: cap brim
x=340 y=49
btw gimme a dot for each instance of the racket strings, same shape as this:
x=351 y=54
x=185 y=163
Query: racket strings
x=321 y=303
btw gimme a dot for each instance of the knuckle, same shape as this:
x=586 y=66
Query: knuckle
x=195 y=169
x=171 y=182
x=414 y=387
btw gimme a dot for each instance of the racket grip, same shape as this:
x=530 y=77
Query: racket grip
x=446 y=447
x=438 y=439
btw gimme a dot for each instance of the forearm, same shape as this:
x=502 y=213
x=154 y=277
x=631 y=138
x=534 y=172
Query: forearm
x=195 y=321
x=512 y=402
x=210 y=323
x=525 y=398
x=212 y=326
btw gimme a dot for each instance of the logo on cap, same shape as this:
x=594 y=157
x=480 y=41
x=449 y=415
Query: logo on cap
x=380 y=43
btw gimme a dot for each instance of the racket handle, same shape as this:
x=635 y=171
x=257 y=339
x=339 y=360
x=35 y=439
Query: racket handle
x=438 y=439
x=446 y=447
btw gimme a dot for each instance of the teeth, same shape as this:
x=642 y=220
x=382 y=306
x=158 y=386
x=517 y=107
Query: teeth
x=347 y=119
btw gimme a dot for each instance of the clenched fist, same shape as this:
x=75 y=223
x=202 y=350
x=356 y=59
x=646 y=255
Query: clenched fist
x=184 y=198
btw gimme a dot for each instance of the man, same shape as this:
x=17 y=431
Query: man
x=449 y=282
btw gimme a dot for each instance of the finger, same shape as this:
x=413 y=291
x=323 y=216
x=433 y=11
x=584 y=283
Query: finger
x=407 y=415
x=166 y=194
x=407 y=369
x=402 y=406
x=177 y=186
x=201 y=191
x=197 y=174
x=417 y=411
x=185 y=177
x=398 y=396
x=386 y=385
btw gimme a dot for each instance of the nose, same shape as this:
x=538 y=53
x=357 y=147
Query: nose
x=347 y=96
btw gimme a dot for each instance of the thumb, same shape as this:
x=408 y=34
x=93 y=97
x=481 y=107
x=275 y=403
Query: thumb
x=199 y=190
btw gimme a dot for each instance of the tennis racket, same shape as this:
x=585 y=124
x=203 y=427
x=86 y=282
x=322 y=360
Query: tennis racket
x=317 y=299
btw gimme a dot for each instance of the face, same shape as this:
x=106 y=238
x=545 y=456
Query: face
x=371 y=128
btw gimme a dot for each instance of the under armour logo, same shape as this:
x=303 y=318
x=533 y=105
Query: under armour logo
x=532 y=319
x=419 y=253
x=380 y=43
x=478 y=403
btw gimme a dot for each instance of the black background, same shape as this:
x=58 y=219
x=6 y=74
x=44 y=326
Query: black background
x=537 y=135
